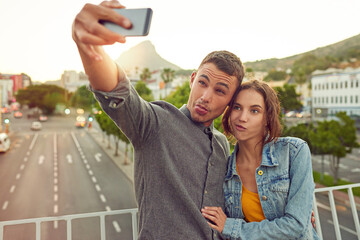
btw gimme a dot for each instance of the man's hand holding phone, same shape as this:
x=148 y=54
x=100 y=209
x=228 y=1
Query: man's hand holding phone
x=88 y=33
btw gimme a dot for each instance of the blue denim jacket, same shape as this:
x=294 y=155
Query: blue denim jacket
x=285 y=186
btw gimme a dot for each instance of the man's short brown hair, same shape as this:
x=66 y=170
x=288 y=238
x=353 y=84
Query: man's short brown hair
x=226 y=62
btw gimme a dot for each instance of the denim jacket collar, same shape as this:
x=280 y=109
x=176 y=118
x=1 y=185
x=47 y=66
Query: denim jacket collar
x=267 y=160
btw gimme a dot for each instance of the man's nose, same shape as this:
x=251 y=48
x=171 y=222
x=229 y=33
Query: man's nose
x=206 y=96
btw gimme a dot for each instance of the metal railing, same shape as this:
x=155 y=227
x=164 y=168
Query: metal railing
x=69 y=218
x=330 y=191
x=133 y=212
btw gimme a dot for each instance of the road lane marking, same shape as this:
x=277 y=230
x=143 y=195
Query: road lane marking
x=108 y=209
x=18 y=176
x=25 y=159
x=97 y=188
x=355 y=170
x=343 y=228
x=94 y=179
x=55 y=180
x=5 y=205
x=323 y=206
x=33 y=143
x=56 y=209
x=41 y=159
x=91 y=172
x=55 y=224
x=87 y=166
x=102 y=197
x=55 y=174
x=98 y=157
x=85 y=161
x=69 y=159
x=12 y=189
x=56 y=197
x=55 y=144
x=116 y=226
x=55 y=188
x=22 y=167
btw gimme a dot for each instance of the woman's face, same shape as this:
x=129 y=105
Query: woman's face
x=247 y=118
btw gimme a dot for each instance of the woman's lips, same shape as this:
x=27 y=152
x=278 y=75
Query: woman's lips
x=240 y=128
x=201 y=110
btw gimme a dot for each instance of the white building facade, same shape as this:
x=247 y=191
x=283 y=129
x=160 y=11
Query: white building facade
x=336 y=90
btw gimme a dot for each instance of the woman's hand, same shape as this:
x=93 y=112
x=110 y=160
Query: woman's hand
x=217 y=217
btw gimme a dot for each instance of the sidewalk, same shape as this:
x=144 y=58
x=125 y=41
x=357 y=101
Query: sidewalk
x=118 y=160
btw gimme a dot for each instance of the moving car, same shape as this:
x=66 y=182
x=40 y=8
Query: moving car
x=18 y=114
x=36 y=125
x=43 y=118
x=4 y=142
x=80 y=122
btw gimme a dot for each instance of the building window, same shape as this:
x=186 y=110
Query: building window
x=345 y=99
x=336 y=85
x=356 y=99
x=351 y=84
x=332 y=99
x=351 y=99
x=345 y=83
x=357 y=83
x=327 y=86
x=340 y=99
x=327 y=100
x=336 y=99
x=340 y=85
x=332 y=85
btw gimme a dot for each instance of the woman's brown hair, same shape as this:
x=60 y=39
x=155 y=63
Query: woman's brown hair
x=272 y=110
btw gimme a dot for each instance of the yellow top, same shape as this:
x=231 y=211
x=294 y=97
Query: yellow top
x=251 y=206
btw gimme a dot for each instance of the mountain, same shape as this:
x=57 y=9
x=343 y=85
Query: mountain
x=337 y=50
x=143 y=56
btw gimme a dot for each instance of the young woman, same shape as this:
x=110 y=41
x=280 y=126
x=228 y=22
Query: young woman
x=269 y=183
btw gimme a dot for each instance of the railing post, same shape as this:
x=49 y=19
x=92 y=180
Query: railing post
x=134 y=225
x=38 y=230
x=334 y=215
x=1 y=230
x=68 y=229
x=102 y=227
x=317 y=218
x=354 y=212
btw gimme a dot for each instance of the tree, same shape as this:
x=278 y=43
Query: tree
x=180 y=96
x=289 y=99
x=275 y=75
x=82 y=98
x=167 y=75
x=145 y=75
x=38 y=95
x=144 y=91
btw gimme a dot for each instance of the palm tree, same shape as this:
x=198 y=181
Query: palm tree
x=167 y=76
x=145 y=75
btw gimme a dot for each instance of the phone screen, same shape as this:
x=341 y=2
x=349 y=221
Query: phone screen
x=139 y=17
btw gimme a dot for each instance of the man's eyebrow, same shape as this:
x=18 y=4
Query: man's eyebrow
x=208 y=79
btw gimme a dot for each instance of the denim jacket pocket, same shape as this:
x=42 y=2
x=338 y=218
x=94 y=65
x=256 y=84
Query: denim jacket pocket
x=281 y=185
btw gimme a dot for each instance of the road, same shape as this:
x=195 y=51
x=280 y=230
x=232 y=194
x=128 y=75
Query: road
x=61 y=170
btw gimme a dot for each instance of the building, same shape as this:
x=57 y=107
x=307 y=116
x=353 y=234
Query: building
x=72 y=80
x=335 y=90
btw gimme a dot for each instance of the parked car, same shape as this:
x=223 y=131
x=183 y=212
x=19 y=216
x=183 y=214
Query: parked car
x=4 y=142
x=43 y=118
x=18 y=114
x=36 y=125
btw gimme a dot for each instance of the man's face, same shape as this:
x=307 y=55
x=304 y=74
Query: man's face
x=211 y=91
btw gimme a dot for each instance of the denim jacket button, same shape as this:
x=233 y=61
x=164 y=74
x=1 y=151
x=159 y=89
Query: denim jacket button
x=264 y=198
x=106 y=97
x=260 y=172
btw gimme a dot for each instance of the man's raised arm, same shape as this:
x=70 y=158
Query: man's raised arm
x=89 y=36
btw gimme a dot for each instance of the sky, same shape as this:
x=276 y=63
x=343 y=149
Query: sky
x=35 y=36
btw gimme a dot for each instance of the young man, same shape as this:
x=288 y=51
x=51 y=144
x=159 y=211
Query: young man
x=180 y=159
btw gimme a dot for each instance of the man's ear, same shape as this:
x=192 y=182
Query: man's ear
x=192 y=78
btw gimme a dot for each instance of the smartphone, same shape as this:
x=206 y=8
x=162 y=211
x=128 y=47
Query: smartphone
x=139 y=17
